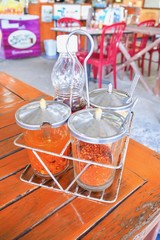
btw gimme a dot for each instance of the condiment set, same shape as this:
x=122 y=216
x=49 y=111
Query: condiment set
x=97 y=131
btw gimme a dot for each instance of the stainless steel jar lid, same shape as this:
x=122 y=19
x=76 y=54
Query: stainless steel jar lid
x=115 y=100
x=97 y=126
x=34 y=114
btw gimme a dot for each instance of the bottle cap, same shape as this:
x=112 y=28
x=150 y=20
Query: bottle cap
x=62 y=41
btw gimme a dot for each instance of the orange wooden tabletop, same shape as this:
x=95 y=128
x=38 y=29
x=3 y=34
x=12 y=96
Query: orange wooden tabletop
x=30 y=211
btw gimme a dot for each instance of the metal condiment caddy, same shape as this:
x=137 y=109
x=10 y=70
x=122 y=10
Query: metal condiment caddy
x=67 y=181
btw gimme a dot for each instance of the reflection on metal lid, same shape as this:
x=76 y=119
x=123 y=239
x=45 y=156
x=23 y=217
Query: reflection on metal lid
x=87 y=127
x=32 y=116
x=115 y=100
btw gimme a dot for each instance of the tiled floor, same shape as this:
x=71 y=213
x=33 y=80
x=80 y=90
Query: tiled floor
x=146 y=123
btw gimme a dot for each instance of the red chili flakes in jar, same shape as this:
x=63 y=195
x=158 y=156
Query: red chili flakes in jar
x=93 y=176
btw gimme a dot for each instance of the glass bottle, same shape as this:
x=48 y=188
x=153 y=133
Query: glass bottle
x=68 y=74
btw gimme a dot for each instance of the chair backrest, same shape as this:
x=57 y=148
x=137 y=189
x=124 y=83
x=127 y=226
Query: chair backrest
x=143 y=38
x=147 y=23
x=110 y=39
x=69 y=22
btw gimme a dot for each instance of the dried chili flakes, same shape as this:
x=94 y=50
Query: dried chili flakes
x=94 y=175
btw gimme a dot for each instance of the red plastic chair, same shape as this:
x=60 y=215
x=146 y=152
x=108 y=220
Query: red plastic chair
x=69 y=22
x=109 y=42
x=139 y=43
x=153 y=50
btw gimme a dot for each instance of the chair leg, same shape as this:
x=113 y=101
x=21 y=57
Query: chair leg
x=142 y=65
x=100 y=77
x=139 y=62
x=131 y=72
x=122 y=58
x=95 y=72
x=122 y=61
x=115 y=76
x=149 y=65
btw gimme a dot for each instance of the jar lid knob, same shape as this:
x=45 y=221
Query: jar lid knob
x=98 y=113
x=110 y=88
x=43 y=104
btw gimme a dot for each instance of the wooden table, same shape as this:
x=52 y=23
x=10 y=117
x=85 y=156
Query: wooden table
x=129 y=60
x=91 y=31
x=29 y=211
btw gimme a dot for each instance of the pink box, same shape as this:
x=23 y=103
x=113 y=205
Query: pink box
x=20 y=36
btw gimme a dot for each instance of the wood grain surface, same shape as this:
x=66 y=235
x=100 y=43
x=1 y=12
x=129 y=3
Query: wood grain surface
x=29 y=211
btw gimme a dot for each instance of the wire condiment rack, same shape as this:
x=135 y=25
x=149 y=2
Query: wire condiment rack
x=66 y=182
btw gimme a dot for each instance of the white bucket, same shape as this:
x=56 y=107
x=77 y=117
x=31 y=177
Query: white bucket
x=50 y=47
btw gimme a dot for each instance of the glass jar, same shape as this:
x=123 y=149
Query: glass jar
x=44 y=127
x=113 y=100
x=98 y=136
